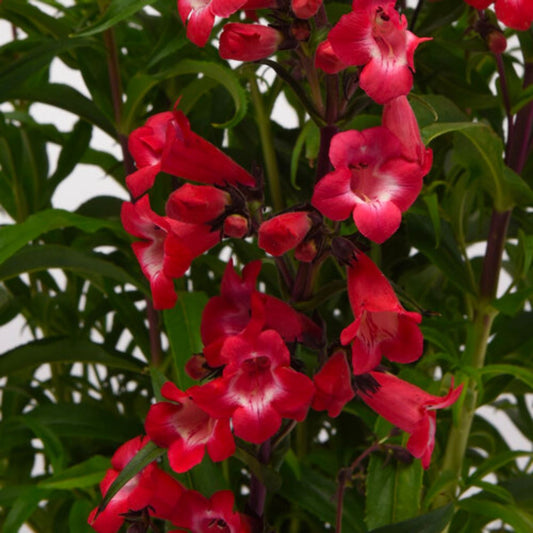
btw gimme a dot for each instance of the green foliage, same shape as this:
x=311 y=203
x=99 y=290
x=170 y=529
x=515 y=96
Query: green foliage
x=82 y=382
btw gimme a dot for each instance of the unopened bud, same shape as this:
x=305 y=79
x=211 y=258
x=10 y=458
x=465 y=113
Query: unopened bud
x=236 y=226
x=306 y=251
x=197 y=367
x=496 y=42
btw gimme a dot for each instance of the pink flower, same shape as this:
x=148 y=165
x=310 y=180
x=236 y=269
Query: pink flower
x=333 y=385
x=258 y=387
x=199 y=16
x=187 y=431
x=201 y=515
x=150 y=487
x=375 y=36
x=398 y=117
x=381 y=326
x=248 y=42
x=373 y=181
x=166 y=143
x=284 y=232
x=409 y=408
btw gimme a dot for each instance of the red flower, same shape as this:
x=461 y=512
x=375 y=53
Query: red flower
x=382 y=326
x=284 y=232
x=258 y=387
x=197 y=204
x=201 y=515
x=167 y=143
x=228 y=314
x=199 y=16
x=248 y=42
x=333 y=385
x=372 y=180
x=186 y=430
x=167 y=249
x=150 y=487
x=375 y=36
x=409 y=408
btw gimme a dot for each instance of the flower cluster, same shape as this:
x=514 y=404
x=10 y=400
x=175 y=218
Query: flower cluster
x=252 y=378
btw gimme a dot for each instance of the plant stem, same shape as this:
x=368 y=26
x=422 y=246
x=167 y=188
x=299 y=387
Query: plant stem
x=519 y=136
x=258 y=490
x=267 y=144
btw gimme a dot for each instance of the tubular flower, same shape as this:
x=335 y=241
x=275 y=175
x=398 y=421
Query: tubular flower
x=284 y=232
x=372 y=180
x=201 y=515
x=409 y=408
x=167 y=143
x=197 y=204
x=258 y=387
x=381 y=326
x=186 y=430
x=151 y=487
x=398 y=117
x=333 y=385
x=199 y=16
x=375 y=36
x=248 y=42
x=229 y=314
x=167 y=249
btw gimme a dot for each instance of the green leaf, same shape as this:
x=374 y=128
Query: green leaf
x=117 y=11
x=143 y=458
x=85 y=474
x=15 y=236
x=72 y=152
x=77 y=518
x=518 y=372
x=309 y=135
x=432 y=522
x=182 y=324
x=511 y=304
x=521 y=521
x=41 y=53
x=23 y=508
x=393 y=491
x=64 y=350
x=493 y=463
x=315 y=493
x=483 y=151
x=36 y=258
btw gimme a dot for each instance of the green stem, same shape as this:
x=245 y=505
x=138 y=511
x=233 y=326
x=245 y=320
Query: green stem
x=267 y=145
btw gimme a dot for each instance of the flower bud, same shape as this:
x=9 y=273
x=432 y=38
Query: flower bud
x=236 y=226
x=306 y=251
x=197 y=204
x=248 y=42
x=283 y=232
x=305 y=9
x=327 y=60
x=497 y=42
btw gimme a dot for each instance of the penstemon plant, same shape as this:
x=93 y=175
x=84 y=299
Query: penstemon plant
x=261 y=337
